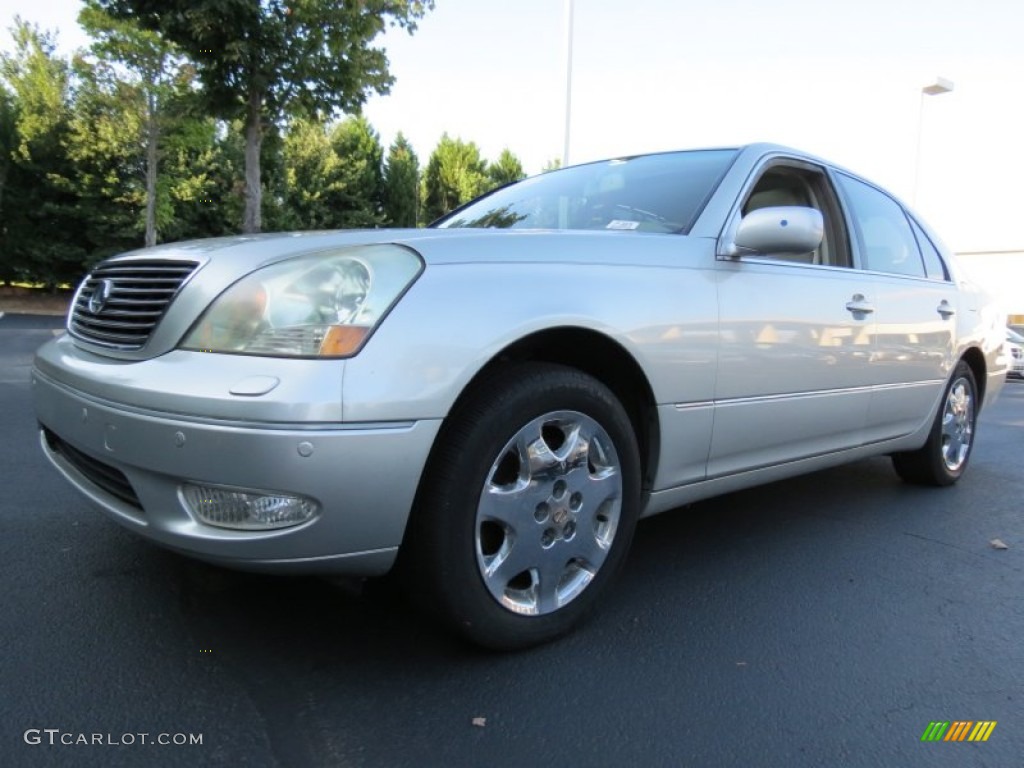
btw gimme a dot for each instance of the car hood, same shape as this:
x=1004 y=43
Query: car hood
x=437 y=246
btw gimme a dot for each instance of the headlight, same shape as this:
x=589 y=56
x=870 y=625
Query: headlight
x=324 y=305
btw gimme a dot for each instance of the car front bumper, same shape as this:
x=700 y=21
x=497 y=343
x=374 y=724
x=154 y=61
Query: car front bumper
x=132 y=462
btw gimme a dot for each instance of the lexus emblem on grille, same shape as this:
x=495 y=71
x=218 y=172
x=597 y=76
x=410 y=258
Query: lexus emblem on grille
x=100 y=296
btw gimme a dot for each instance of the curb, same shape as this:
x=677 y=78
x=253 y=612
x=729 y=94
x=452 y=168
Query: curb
x=29 y=311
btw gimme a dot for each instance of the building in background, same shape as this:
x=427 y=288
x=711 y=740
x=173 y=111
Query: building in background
x=1002 y=272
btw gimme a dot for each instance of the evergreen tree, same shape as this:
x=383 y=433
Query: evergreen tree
x=455 y=175
x=506 y=170
x=401 y=184
x=361 y=175
x=333 y=177
x=107 y=177
x=311 y=179
x=41 y=220
x=8 y=143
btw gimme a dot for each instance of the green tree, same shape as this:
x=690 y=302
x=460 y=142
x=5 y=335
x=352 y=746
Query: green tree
x=201 y=178
x=551 y=165
x=333 y=176
x=505 y=170
x=107 y=144
x=401 y=184
x=40 y=216
x=311 y=177
x=455 y=175
x=148 y=68
x=107 y=160
x=262 y=61
x=361 y=193
x=8 y=144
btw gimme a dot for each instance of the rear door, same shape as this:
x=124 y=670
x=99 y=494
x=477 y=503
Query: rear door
x=915 y=310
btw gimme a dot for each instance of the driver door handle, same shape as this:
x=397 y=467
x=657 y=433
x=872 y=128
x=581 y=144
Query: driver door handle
x=859 y=305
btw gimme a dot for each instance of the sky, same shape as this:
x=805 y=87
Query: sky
x=840 y=80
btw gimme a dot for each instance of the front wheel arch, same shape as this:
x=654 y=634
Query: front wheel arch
x=604 y=359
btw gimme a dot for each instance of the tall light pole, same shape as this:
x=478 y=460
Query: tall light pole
x=568 y=79
x=940 y=86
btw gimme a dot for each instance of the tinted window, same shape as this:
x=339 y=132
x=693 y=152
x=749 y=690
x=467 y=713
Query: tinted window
x=887 y=242
x=933 y=264
x=651 y=193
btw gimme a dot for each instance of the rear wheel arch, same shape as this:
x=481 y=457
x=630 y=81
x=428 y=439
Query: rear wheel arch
x=944 y=456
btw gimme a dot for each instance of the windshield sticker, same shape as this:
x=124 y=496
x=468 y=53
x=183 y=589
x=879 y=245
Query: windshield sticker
x=621 y=224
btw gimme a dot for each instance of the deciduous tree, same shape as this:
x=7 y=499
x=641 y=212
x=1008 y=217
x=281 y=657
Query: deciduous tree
x=149 y=67
x=261 y=61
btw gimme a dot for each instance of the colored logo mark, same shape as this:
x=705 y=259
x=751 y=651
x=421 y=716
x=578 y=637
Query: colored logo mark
x=958 y=730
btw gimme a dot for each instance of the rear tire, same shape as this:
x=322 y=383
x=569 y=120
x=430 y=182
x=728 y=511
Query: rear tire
x=942 y=460
x=527 y=506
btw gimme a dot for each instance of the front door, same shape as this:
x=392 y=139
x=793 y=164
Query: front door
x=798 y=384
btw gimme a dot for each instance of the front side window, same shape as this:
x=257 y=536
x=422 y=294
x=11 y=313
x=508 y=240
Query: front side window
x=650 y=193
x=785 y=184
x=886 y=240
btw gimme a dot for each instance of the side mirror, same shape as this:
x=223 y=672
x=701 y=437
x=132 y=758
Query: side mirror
x=777 y=231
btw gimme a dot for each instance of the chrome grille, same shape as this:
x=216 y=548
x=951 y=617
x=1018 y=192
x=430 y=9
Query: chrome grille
x=120 y=302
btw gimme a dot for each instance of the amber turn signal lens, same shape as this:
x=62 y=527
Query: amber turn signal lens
x=343 y=340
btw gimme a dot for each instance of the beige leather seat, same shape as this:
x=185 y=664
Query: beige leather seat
x=774 y=197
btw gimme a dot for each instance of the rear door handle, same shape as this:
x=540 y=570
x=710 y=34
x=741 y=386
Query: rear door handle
x=859 y=305
x=945 y=310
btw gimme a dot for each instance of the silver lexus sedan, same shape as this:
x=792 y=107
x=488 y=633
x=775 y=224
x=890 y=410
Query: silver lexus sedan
x=490 y=404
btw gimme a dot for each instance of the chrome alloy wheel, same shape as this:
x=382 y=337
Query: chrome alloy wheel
x=548 y=512
x=957 y=424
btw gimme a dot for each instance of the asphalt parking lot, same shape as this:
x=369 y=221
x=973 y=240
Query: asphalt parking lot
x=825 y=620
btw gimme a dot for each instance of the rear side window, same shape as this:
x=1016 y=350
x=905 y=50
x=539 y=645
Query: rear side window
x=934 y=266
x=887 y=242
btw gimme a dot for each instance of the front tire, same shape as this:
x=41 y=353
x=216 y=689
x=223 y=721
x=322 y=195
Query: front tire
x=527 y=507
x=943 y=459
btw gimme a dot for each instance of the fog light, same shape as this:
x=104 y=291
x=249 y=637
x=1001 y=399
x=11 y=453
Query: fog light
x=246 y=510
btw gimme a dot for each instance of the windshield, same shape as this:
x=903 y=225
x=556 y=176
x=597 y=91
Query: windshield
x=1012 y=335
x=649 y=193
